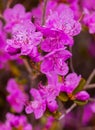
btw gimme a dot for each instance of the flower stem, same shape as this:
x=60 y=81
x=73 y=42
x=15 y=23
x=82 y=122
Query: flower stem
x=9 y=3
x=89 y=79
x=27 y=66
x=92 y=99
x=90 y=86
x=44 y=12
x=68 y=111
x=71 y=61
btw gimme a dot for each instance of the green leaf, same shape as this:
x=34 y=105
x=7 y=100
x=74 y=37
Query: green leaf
x=21 y=81
x=14 y=69
x=55 y=114
x=80 y=103
x=80 y=86
x=63 y=97
x=48 y=113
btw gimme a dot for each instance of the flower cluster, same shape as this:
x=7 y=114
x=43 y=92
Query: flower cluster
x=15 y=122
x=43 y=43
x=16 y=96
x=46 y=44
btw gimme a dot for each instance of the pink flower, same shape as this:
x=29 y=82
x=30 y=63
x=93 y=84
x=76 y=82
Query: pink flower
x=4 y=57
x=37 y=106
x=37 y=12
x=89 y=4
x=71 y=82
x=15 y=122
x=55 y=62
x=54 y=40
x=24 y=39
x=63 y=20
x=49 y=94
x=15 y=16
x=83 y=95
x=16 y=96
x=89 y=21
x=18 y=121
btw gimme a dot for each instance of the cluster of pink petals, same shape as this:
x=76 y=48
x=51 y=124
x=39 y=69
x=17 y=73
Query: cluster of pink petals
x=24 y=39
x=37 y=12
x=89 y=14
x=4 y=57
x=89 y=21
x=49 y=43
x=89 y=111
x=16 y=96
x=54 y=40
x=37 y=106
x=15 y=122
x=64 y=21
x=88 y=4
x=44 y=98
x=49 y=94
x=70 y=84
x=15 y=15
x=55 y=62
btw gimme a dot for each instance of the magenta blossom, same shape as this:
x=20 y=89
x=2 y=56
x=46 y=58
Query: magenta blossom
x=15 y=122
x=89 y=111
x=89 y=21
x=82 y=95
x=37 y=12
x=16 y=96
x=24 y=39
x=63 y=20
x=4 y=57
x=88 y=4
x=49 y=94
x=54 y=40
x=70 y=84
x=15 y=16
x=37 y=106
x=55 y=62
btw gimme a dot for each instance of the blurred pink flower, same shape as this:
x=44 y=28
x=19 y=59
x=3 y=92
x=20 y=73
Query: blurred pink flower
x=15 y=15
x=16 y=97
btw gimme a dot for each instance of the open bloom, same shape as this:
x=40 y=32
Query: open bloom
x=54 y=39
x=63 y=20
x=15 y=122
x=24 y=39
x=15 y=16
x=55 y=62
x=89 y=21
x=37 y=106
x=49 y=94
x=70 y=84
x=16 y=96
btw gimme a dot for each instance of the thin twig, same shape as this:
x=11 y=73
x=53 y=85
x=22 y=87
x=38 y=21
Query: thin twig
x=68 y=110
x=92 y=99
x=9 y=3
x=71 y=61
x=27 y=66
x=89 y=79
x=81 y=17
x=90 y=86
x=44 y=12
x=29 y=69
